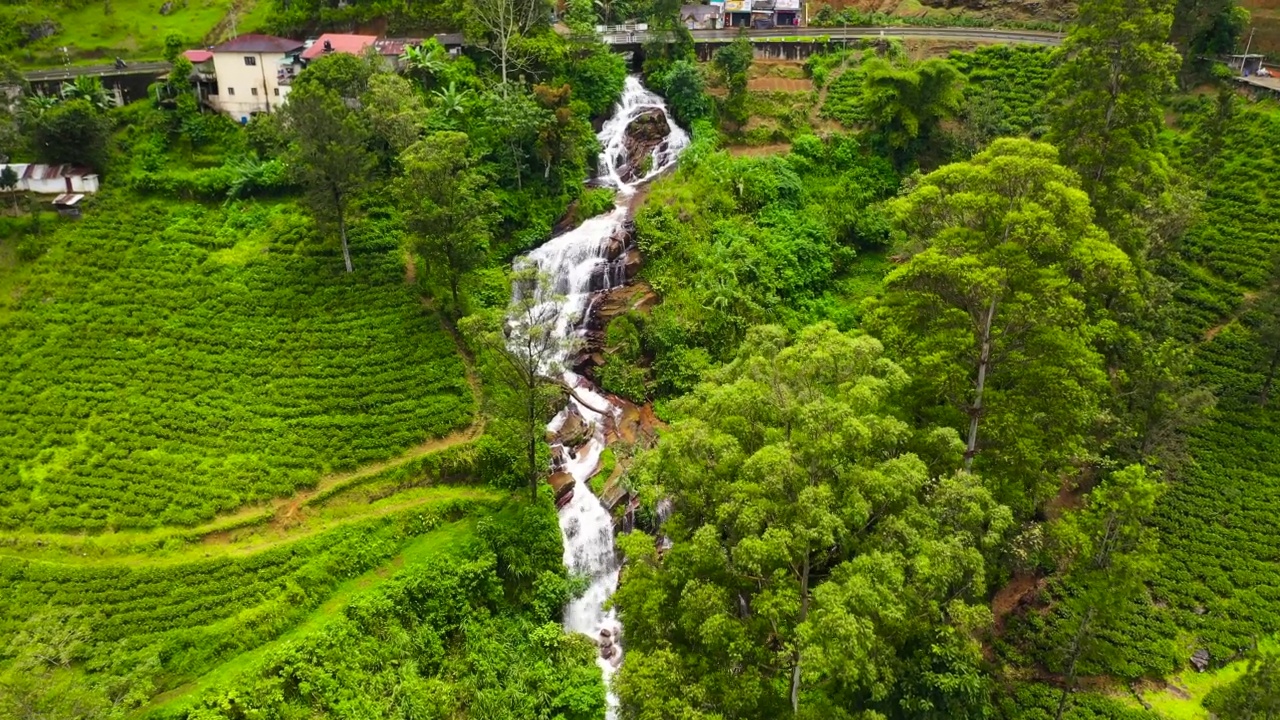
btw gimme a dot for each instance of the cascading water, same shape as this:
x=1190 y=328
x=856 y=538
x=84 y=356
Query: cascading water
x=567 y=265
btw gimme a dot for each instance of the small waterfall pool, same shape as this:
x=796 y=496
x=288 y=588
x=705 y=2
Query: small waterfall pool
x=568 y=263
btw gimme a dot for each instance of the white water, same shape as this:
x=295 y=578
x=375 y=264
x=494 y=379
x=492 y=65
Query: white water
x=568 y=262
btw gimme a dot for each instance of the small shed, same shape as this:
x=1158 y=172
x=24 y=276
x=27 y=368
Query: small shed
x=68 y=204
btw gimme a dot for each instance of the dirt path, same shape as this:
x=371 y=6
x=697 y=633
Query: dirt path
x=283 y=512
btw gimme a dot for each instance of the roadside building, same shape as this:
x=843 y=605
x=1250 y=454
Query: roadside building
x=762 y=13
x=702 y=17
x=786 y=13
x=737 y=13
x=247 y=74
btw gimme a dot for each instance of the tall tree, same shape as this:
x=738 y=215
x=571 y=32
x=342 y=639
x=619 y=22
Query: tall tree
x=71 y=131
x=448 y=206
x=790 y=586
x=395 y=112
x=527 y=352
x=1108 y=99
x=1108 y=552
x=998 y=307
x=501 y=25
x=328 y=154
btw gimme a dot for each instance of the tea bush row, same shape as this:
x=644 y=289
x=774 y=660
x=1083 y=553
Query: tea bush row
x=192 y=615
x=167 y=363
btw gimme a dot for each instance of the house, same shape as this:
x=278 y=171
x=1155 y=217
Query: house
x=247 y=74
x=702 y=17
x=54 y=179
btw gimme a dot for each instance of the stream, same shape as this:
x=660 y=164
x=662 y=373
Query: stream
x=573 y=267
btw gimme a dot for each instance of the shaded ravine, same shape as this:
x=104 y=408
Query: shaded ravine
x=572 y=267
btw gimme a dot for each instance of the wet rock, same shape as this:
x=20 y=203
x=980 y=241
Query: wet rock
x=608 y=651
x=562 y=484
x=631 y=263
x=574 y=431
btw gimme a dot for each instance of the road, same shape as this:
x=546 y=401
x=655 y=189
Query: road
x=840 y=33
x=73 y=71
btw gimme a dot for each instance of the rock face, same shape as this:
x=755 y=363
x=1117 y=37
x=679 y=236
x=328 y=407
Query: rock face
x=646 y=132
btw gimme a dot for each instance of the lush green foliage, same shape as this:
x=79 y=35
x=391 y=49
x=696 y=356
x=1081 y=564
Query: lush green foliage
x=730 y=243
x=817 y=561
x=166 y=364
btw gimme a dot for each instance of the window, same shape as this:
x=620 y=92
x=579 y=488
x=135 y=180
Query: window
x=277 y=92
x=253 y=92
x=250 y=60
x=231 y=91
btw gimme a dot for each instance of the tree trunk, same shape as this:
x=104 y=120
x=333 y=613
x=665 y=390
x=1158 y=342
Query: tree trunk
x=975 y=411
x=342 y=228
x=1076 y=644
x=453 y=290
x=531 y=429
x=1271 y=377
x=804 y=613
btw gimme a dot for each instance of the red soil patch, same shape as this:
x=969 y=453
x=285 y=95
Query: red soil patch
x=777 y=84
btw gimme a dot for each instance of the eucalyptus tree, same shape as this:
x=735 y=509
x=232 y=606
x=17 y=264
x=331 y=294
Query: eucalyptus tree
x=998 y=310
x=818 y=565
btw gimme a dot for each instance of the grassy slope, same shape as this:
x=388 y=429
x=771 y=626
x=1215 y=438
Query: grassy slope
x=136 y=29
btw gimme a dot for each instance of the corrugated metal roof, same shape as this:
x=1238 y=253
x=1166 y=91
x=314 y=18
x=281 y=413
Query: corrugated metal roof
x=338 y=42
x=258 y=43
x=37 y=171
x=68 y=199
x=198 y=56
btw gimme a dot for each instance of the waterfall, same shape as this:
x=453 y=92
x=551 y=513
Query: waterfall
x=568 y=263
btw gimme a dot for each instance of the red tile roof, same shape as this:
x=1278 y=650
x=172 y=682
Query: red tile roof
x=258 y=44
x=351 y=44
x=198 y=56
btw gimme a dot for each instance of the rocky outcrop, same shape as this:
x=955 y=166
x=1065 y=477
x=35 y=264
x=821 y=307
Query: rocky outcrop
x=604 y=307
x=646 y=133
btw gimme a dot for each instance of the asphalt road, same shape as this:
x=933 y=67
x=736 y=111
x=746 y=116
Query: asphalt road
x=630 y=38
x=841 y=33
x=74 y=71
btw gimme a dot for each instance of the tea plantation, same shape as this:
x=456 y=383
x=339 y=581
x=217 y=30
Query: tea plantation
x=166 y=363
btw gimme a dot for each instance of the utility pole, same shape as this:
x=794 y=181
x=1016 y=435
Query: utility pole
x=1247 y=45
